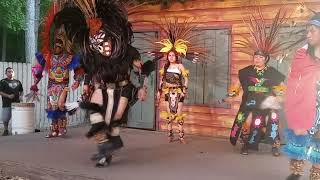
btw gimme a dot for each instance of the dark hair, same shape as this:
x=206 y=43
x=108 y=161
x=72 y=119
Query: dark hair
x=310 y=49
x=261 y=53
x=166 y=66
x=8 y=68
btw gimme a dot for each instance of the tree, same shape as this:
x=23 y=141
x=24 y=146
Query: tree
x=12 y=18
x=13 y=23
x=13 y=14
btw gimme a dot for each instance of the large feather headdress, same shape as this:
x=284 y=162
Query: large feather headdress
x=88 y=8
x=180 y=37
x=52 y=22
x=263 y=39
x=94 y=17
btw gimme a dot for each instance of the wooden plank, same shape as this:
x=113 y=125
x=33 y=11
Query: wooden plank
x=2 y=70
x=15 y=68
x=200 y=130
x=21 y=75
x=2 y=75
x=43 y=102
x=192 y=88
x=227 y=4
x=71 y=97
x=25 y=83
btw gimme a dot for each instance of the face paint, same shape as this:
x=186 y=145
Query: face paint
x=98 y=43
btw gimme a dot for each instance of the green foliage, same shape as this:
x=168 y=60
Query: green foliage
x=44 y=6
x=13 y=18
x=12 y=14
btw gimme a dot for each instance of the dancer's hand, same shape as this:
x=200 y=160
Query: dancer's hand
x=73 y=106
x=142 y=94
x=10 y=96
x=185 y=94
x=34 y=88
x=158 y=98
x=196 y=57
x=228 y=100
x=138 y=64
x=75 y=85
x=85 y=89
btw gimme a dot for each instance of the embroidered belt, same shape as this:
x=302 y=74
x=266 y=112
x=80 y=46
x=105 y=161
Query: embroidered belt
x=258 y=89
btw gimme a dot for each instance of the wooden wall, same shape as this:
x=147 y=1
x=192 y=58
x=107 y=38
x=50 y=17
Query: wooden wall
x=207 y=120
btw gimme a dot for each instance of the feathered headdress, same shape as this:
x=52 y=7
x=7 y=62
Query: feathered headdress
x=180 y=37
x=264 y=40
x=51 y=22
x=88 y=7
x=110 y=16
x=45 y=34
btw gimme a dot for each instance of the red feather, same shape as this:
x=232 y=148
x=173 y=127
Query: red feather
x=262 y=39
x=45 y=34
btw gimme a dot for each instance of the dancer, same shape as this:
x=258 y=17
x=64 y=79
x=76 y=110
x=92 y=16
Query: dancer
x=174 y=85
x=104 y=34
x=261 y=84
x=58 y=61
x=180 y=42
x=302 y=106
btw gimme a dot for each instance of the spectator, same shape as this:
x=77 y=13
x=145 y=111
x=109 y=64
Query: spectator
x=11 y=91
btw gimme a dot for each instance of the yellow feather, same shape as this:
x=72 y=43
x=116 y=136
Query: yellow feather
x=185 y=73
x=167 y=45
x=181 y=46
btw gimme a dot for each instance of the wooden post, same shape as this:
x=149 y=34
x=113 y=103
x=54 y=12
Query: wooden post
x=36 y=22
x=30 y=31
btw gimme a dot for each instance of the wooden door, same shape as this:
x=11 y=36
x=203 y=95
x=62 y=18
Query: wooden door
x=142 y=114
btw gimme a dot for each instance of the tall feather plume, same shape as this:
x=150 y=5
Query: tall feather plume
x=261 y=38
x=88 y=7
x=45 y=34
x=133 y=8
x=181 y=37
x=60 y=3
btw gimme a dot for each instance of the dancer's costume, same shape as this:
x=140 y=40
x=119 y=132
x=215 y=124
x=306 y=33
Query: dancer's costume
x=302 y=109
x=180 y=38
x=58 y=66
x=260 y=87
x=104 y=35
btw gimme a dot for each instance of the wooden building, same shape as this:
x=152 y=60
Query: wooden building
x=220 y=23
